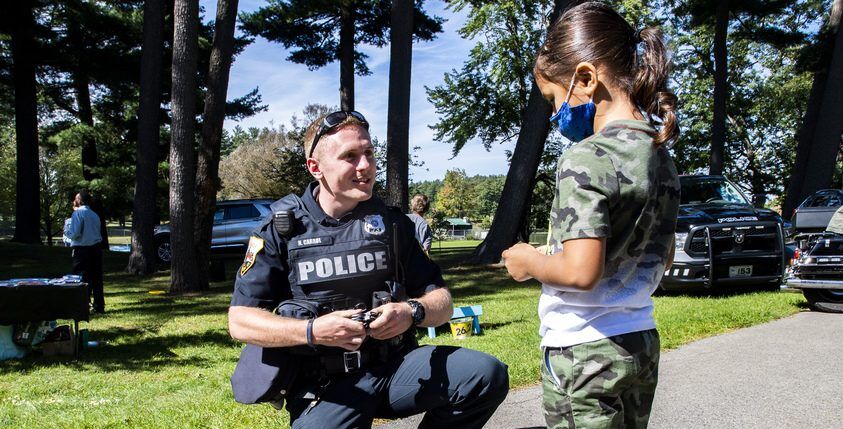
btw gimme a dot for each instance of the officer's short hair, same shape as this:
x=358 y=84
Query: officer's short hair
x=419 y=204
x=85 y=198
x=313 y=128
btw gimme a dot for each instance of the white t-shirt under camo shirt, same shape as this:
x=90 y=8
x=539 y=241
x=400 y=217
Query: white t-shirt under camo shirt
x=615 y=184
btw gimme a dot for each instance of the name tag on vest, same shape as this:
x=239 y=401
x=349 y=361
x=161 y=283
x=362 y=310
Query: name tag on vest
x=339 y=266
x=301 y=243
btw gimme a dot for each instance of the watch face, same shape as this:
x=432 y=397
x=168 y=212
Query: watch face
x=418 y=311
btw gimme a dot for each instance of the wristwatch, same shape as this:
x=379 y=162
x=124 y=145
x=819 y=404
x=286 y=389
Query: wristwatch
x=418 y=311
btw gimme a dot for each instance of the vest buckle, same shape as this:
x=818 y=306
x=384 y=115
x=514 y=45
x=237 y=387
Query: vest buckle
x=351 y=361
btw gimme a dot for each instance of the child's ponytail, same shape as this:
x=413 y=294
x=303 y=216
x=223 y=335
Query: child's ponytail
x=649 y=88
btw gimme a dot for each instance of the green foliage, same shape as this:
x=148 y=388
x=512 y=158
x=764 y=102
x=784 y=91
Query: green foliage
x=99 y=45
x=485 y=99
x=479 y=194
x=312 y=28
x=8 y=171
x=767 y=90
x=428 y=187
x=61 y=172
x=454 y=199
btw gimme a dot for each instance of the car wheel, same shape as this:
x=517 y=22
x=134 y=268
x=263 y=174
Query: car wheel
x=827 y=300
x=163 y=251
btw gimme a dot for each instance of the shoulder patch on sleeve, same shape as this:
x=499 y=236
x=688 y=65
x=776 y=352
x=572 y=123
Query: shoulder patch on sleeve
x=255 y=246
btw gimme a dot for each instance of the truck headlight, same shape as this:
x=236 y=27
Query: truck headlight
x=680 y=240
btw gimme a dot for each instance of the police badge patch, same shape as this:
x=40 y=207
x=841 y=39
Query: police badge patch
x=373 y=224
x=255 y=246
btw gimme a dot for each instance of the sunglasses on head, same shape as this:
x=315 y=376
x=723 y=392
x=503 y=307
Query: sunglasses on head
x=332 y=121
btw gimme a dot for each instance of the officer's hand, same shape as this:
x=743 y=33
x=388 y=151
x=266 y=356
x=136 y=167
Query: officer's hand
x=337 y=330
x=516 y=259
x=395 y=319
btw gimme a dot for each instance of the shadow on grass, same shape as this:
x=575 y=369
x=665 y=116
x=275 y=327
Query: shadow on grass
x=171 y=308
x=139 y=354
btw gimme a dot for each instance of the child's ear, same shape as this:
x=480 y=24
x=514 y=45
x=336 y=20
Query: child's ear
x=587 y=78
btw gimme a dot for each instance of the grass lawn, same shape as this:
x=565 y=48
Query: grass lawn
x=168 y=358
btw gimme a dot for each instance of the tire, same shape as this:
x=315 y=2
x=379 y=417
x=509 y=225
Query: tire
x=163 y=250
x=827 y=300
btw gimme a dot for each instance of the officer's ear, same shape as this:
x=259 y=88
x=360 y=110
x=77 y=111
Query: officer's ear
x=313 y=168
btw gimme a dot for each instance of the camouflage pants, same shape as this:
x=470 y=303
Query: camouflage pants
x=607 y=383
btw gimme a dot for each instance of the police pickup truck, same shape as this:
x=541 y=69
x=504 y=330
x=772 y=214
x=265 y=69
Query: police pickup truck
x=722 y=241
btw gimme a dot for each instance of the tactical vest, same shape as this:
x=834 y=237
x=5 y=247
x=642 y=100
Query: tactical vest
x=351 y=260
x=326 y=264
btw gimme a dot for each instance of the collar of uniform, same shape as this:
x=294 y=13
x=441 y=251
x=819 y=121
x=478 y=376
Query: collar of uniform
x=372 y=205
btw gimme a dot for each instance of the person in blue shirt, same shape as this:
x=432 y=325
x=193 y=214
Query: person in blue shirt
x=85 y=237
x=419 y=206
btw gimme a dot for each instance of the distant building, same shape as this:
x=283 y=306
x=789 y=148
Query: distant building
x=458 y=227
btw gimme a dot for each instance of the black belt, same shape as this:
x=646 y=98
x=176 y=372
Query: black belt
x=351 y=361
x=346 y=362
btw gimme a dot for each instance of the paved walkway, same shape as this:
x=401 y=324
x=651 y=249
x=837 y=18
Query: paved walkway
x=782 y=374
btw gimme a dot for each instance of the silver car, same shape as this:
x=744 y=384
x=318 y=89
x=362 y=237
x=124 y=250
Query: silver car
x=234 y=222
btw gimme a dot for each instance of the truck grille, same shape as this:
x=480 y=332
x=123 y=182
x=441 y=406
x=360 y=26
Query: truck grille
x=734 y=239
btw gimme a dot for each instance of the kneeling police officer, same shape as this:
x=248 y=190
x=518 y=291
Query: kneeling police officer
x=342 y=251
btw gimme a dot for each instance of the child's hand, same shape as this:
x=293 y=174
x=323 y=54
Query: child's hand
x=517 y=259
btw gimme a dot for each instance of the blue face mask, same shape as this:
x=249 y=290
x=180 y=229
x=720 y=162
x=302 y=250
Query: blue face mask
x=575 y=123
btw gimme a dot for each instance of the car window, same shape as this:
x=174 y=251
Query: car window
x=218 y=215
x=821 y=200
x=702 y=191
x=243 y=211
x=809 y=202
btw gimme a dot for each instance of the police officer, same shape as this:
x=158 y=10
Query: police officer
x=336 y=240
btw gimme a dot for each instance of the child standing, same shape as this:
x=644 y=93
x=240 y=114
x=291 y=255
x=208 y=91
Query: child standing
x=615 y=210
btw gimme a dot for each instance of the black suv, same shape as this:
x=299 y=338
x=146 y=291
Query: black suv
x=722 y=240
x=234 y=222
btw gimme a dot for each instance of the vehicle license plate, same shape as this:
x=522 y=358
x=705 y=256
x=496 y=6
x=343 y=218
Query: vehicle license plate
x=740 y=271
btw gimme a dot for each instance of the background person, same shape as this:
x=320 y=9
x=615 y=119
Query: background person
x=353 y=373
x=419 y=206
x=84 y=234
x=615 y=209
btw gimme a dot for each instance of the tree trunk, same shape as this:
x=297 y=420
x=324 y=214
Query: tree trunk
x=398 y=121
x=346 y=56
x=805 y=136
x=183 y=269
x=517 y=188
x=27 y=200
x=46 y=200
x=721 y=92
x=143 y=260
x=207 y=170
x=81 y=86
x=512 y=209
x=829 y=129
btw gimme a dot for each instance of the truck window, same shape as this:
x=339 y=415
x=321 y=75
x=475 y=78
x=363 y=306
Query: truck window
x=710 y=191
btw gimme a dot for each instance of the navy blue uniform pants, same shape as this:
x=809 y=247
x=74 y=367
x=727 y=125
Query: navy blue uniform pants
x=87 y=262
x=456 y=387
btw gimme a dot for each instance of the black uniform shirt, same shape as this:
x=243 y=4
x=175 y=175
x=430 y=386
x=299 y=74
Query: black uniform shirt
x=265 y=283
